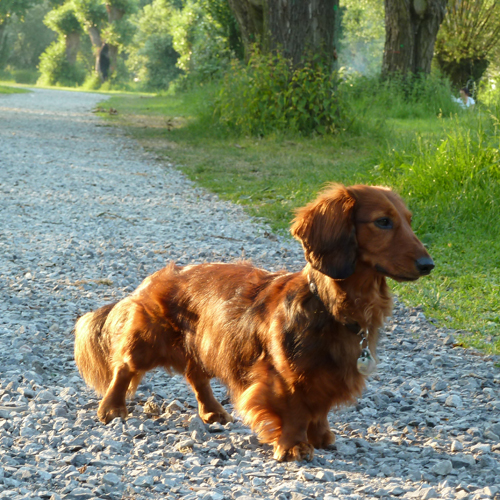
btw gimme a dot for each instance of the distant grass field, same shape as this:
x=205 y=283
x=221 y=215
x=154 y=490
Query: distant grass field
x=447 y=169
x=11 y=90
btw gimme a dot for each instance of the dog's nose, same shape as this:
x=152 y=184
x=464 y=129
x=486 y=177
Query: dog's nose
x=424 y=265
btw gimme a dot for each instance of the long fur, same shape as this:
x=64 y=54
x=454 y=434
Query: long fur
x=285 y=344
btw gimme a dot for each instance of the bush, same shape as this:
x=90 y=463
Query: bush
x=152 y=58
x=56 y=70
x=202 y=41
x=270 y=95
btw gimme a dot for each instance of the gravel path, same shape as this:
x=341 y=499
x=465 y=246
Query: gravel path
x=86 y=215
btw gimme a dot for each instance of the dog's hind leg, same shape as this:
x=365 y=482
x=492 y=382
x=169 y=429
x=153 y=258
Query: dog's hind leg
x=113 y=404
x=209 y=409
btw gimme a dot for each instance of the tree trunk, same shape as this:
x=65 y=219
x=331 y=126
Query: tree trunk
x=114 y=14
x=292 y=26
x=250 y=17
x=72 y=45
x=3 y=48
x=96 y=41
x=411 y=27
x=299 y=27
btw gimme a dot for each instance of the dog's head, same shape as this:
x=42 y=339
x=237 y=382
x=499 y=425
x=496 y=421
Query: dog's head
x=344 y=226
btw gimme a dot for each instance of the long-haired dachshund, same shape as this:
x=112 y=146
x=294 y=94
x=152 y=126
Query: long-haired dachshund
x=289 y=346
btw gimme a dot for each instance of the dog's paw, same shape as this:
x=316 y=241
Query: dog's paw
x=326 y=440
x=299 y=452
x=106 y=414
x=222 y=417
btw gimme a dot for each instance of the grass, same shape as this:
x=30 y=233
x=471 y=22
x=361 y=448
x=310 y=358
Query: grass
x=445 y=168
x=11 y=90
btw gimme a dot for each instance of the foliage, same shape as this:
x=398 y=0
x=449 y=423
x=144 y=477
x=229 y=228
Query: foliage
x=468 y=34
x=268 y=95
x=90 y=13
x=63 y=20
x=411 y=96
x=152 y=58
x=27 y=38
x=55 y=68
x=202 y=42
x=362 y=35
x=9 y=8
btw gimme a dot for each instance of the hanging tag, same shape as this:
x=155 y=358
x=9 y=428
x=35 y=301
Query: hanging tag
x=366 y=364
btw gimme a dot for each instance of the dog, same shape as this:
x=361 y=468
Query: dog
x=289 y=346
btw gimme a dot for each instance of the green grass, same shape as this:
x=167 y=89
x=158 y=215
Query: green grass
x=11 y=90
x=445 y=168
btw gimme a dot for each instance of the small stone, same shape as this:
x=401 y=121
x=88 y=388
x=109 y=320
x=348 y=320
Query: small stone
x=345 y=447
x=325 y=476
x=439 y=386
x=143 y=481
x=443 y=468
x=111 y=479
x=481 y=448
x=151 y=408
x=456 y=445
x=488 y=434
x=174 y=407
x=429 y=493
x=305 y=476
x=186 y=443
x=453 y=401
x=462 y=460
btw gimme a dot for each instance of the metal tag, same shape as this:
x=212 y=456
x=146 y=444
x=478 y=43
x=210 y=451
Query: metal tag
x=366 y=364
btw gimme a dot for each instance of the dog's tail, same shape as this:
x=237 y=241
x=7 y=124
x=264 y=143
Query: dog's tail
x=92 y=349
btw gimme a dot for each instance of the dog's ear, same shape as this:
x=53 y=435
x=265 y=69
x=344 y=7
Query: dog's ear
x=326 y=230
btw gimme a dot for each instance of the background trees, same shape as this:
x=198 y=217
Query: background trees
x=467 y=39
x=411 y=30
x=151 y=43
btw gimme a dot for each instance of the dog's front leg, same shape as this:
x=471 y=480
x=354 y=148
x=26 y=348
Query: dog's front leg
x=319 y=433
x=293 y=443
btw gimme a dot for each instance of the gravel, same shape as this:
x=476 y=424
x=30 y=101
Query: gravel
x=86 y=215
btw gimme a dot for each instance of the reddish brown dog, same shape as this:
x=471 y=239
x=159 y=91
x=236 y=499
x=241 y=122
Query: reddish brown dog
x=286 y=345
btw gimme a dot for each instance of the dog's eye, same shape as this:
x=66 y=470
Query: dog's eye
x=384 y=223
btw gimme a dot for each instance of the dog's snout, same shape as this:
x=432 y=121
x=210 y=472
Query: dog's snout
x=424 y=265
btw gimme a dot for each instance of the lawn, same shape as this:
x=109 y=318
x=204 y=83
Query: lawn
x=447 y=169
x=11 y=90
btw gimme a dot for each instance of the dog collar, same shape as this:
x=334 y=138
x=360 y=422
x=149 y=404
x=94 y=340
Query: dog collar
x=353 y=327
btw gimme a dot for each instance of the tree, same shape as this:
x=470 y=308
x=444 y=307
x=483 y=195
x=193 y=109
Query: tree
x=92 y=16
x=469 y=34
x=63 y=21
x=9 y=9
x=119 y=30
x=411 y=29
x=293 y=27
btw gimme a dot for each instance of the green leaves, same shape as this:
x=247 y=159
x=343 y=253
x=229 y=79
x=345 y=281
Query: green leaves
x=270 y=95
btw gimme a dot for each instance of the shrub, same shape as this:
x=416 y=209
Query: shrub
x=270 y=95
x=152 y=58
x=56 y=70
